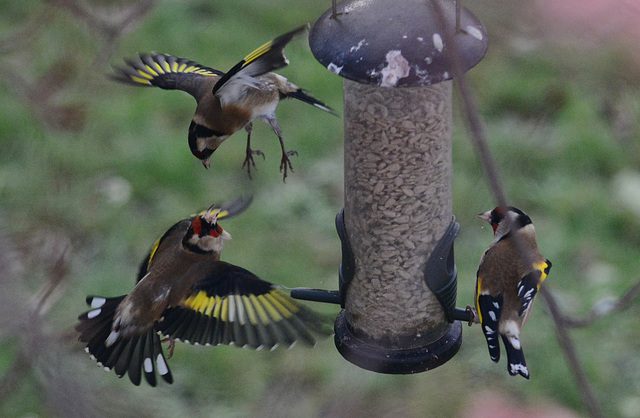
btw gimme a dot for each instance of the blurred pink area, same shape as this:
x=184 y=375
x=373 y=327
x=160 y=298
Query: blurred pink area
x=491 y=404
x=593 y=21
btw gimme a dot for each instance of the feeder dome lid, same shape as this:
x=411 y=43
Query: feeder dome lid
x=392 y=43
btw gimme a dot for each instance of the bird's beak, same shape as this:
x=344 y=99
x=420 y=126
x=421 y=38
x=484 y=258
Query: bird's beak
x=486 y=216
x=206 y=163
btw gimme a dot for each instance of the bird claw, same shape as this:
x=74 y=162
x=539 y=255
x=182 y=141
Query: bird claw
x=472 y=315
x=285 y=163
x=172 y=345
x=249 y=162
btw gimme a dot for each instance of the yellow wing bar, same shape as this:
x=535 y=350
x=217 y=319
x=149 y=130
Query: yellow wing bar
x=258 y=52
x=274 y=306
x=150 y=67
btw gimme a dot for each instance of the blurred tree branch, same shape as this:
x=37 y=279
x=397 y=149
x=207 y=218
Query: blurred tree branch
x=108 y=24
x=25 y=35
x=571 y=354
x=601 y=308
x=25 y=327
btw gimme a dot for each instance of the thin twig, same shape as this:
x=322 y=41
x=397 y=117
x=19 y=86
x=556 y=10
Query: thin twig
x=569 y=350
x=603 y=308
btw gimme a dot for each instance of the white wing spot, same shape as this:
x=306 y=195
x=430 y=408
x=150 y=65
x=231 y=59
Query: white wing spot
x=232 y=308
x=242 y=318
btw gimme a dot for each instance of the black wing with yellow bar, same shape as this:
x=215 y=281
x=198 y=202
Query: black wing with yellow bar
x=165 y=71
x=232 y=306
x=266 y=58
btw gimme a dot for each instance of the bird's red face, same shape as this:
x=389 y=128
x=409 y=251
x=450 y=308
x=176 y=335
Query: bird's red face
x=206 y=225
x=204 y=235
x=505 y=219
x=493 y=217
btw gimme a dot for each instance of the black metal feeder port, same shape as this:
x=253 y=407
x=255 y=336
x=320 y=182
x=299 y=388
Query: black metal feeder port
x=397 y=282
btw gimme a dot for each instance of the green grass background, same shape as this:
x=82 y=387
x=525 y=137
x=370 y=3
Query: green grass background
x=562 y=122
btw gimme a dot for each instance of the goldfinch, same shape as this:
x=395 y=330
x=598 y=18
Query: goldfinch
x=510 y=273
x=185 y=293
x=226 y=102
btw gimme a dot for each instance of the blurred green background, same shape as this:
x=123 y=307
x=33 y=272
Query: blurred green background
x=92 y=172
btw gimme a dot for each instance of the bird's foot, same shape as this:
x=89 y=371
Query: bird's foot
x=285 y=163
x=172 y=345
x=472 y=315
x=248 y=160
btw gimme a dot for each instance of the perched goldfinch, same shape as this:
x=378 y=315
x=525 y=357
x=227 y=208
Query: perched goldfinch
x=185 y=293
x=226 y=102
x=510 y=273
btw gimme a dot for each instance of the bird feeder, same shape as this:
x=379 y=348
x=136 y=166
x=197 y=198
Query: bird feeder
x=398 y=276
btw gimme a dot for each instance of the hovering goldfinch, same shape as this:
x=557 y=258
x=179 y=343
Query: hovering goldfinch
x=185 y=293
x=226 y=103
x=510 y=273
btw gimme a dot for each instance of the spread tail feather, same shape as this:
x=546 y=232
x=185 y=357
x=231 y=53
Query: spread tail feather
x=131 y=355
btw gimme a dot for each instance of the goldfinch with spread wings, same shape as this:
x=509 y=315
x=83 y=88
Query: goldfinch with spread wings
x=226 y=102
x=185 y=293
